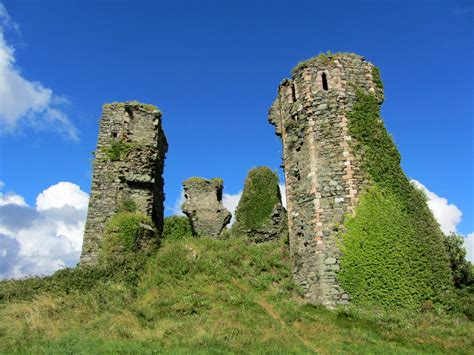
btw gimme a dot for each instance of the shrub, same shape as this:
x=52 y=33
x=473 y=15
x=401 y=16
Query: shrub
x=460 y=267
x=176 y=227
x=128 y=232
x=261 y=194
x=117 y=150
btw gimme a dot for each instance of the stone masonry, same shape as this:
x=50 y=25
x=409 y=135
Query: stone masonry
x=322 y=172
x=127 y=169
x=204 y=208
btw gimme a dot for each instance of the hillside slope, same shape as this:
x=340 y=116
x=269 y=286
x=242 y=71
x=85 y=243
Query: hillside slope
x=210 y=297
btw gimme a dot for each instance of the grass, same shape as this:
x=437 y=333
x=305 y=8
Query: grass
x=207 y=297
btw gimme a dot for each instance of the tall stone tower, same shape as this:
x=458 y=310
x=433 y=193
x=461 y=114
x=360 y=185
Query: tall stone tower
x=127 y=169
x=322 y=172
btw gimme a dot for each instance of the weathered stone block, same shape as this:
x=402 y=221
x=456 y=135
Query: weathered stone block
x=204 y=208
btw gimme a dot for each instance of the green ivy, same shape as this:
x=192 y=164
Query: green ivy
x=393 y=247
x=176 y=227
x=376 y=77
x=261 y=194
x=127 y=232
x=117 y=150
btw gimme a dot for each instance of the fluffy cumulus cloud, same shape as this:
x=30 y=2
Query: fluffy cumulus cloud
x=41 y=239
x=469 y=245
x=24 y=102
x=447 y=214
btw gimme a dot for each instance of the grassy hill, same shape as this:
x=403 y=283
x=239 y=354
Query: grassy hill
x=207 y=296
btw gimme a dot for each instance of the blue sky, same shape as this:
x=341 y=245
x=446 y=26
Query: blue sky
x=213 y=68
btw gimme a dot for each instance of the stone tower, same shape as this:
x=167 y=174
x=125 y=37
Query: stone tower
x=322 y=172
x=204 y=207
x=127 y=170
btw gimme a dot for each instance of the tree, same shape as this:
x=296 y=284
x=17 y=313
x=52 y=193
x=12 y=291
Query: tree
x=460 y=267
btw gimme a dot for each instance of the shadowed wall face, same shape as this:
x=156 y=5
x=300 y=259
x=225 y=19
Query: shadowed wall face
x=127 y=170
x=322 y=172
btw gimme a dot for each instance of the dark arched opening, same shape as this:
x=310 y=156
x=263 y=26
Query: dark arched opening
x=325 y=81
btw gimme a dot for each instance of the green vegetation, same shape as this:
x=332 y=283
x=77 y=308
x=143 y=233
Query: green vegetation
x=206 y=296
x=117 y=150
x=126 y=233
x=460 y=267
x=215 y=181
x=127 y=205
x=393 y=248
x=376 y=77
x=261 y=194
x=176 y=227
x=320 y=59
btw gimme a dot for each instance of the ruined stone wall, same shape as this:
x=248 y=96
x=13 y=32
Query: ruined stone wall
x=204 y=208
x=323 y=176
x=127 y=169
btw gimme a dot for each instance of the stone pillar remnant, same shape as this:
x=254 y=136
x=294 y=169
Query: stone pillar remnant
x=204 y=208
x=127 y=170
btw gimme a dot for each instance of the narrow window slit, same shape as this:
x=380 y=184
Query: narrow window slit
x=293 y=92
x=325 y=81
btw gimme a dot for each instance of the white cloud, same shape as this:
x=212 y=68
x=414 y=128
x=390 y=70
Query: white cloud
x=62 y=194
x=39 y=241
x=176 y=209
x=24 y=102
x=469 y=245
x=230 y=202
x=283 y=193
x=447 y=215
x=11 y=199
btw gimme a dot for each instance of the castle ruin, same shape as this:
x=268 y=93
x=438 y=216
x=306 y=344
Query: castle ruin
x=204 y=208
x=322 y=171
x=127 y=170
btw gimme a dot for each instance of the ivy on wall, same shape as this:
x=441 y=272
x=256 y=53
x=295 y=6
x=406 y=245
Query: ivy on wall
x=261 y=194
x=393 y=251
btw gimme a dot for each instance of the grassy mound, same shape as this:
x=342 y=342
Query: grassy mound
x=394 y=251
x=205 y=296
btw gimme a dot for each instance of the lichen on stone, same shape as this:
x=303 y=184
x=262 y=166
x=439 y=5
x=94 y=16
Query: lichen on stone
x=134 y=103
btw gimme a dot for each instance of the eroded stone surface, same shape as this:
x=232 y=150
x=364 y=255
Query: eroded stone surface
x=204 y=208
x=127 y=169
x=322 y=172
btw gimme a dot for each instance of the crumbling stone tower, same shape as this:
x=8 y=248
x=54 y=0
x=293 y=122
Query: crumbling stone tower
x=204 y=207
x=322 y=171
x=127 y=169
